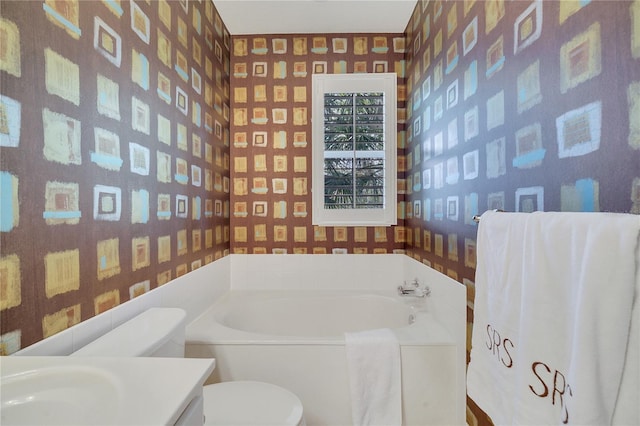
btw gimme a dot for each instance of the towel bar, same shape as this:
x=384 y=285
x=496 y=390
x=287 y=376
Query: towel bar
x=476 y=217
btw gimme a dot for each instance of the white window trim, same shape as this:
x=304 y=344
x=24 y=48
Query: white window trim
x=336 y=83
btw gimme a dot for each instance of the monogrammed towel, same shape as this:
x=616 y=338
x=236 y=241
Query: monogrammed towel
x=554 y=295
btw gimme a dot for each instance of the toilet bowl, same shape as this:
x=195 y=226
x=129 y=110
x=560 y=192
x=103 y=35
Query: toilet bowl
x=228 y=403
x=160 y=332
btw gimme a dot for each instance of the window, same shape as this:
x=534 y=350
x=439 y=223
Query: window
x=354 y=149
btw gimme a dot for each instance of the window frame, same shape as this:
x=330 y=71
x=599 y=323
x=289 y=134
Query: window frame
x=355 y=83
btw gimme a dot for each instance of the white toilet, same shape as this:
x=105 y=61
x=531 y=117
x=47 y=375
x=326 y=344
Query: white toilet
x=160 y=332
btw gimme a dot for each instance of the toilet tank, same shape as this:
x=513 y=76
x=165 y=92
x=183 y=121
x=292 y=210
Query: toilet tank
x=157 y=332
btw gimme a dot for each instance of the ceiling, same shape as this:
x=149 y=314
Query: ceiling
x=314 y=16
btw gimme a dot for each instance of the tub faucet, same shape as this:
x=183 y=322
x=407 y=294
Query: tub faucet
x=413 y=289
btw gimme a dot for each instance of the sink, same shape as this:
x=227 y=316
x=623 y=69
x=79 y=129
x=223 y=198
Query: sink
x=99 y=391
x=60 y=395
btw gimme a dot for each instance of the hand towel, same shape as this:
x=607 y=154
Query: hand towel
x=554 y=295
x=373 y=361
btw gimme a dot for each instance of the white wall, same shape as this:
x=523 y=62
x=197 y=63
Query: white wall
x=313 y=272
x=192 y=292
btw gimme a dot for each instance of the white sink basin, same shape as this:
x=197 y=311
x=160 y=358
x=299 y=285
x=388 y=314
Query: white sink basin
x=62 y=395
x=74 y=391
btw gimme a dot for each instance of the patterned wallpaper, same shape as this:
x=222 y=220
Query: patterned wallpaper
x=140 y=141
x=520 y=106
x=271 y=140
x=115 y=161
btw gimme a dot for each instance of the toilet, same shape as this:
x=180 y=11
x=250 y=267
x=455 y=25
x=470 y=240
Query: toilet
x=160 y=332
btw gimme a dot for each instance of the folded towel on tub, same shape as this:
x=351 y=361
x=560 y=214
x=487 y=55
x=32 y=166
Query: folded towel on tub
x=552 y=312
x=373 y=361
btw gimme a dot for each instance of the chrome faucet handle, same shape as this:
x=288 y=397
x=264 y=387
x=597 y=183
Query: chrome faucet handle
x=426 y=291
x=413 y=284
x=414 y=289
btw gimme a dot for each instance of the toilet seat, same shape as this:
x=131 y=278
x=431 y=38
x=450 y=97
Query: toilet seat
x=250 y=403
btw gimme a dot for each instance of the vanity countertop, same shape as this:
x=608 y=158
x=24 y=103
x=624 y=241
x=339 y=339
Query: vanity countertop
x=97 y=390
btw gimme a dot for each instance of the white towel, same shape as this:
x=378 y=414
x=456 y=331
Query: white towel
x=552 y=313
x=628 y=405
x=373 y=361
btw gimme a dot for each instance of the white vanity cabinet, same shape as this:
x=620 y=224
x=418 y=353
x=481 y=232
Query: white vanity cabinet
x=193 y=415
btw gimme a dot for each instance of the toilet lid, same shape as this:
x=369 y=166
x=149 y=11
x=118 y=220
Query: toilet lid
x=250 y=403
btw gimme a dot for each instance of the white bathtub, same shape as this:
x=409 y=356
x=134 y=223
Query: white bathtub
x=295 y=339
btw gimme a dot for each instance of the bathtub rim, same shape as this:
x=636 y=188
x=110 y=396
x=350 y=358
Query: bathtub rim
x=205 y=329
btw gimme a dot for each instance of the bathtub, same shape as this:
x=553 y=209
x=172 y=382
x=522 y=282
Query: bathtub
x=295 y=339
